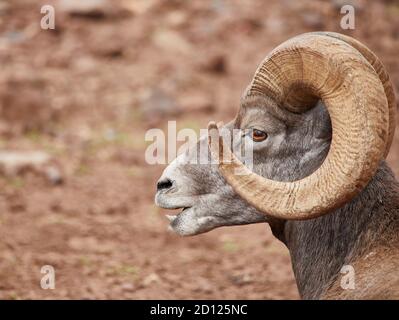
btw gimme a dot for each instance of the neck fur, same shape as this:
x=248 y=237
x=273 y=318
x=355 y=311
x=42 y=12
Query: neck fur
x=320 y=247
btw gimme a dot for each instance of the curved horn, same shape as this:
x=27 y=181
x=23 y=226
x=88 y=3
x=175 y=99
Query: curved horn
x=293 y=74
x=382 y=74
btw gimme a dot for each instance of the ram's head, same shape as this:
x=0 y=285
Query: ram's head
x=319 y=114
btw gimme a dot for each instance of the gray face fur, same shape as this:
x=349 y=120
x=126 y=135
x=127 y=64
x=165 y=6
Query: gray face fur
x=296 y=146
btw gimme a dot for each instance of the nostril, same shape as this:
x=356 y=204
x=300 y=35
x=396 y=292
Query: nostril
x=164 y=184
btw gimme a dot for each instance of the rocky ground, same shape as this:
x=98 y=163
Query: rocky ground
x=77 y=102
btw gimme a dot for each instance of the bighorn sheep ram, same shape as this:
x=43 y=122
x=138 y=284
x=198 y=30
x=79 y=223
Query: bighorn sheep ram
x=320 y=114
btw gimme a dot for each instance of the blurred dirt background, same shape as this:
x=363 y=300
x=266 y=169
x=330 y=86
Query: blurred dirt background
x=75 y=103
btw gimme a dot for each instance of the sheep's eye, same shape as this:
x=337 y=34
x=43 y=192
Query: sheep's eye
x=258 y=135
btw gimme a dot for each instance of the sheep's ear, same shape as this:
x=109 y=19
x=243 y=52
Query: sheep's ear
x=320 y=120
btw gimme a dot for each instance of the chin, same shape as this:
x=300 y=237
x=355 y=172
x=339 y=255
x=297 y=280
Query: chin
x=187 y=224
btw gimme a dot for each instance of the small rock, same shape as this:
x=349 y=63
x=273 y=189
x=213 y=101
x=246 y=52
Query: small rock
x=150 y=279
x=241 y=279
x=219 y=6
x=171 y=40
x=276 y=25
x=4 y=7
x=110 y=134
x=157 y=104
x=312 y=20
x=128 y=157
x=247 y=26
x=92 y=8
x=215 y=64
x=84 y=64
x=176 y=18
x=204 y=285
x=24 y=104
x=138 y=6
x=16 y=204
x=14 y=36
x=89 y=244
x=96 y=9
x=53 y=174
x=196 y=102
x=13 y=163
x=127 y=286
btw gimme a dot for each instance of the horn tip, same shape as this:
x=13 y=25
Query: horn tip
x=212 y=125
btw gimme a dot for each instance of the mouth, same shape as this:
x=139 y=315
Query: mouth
x=172 y=218
x=190 y=220
x=185 y=222
x=166 y=202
